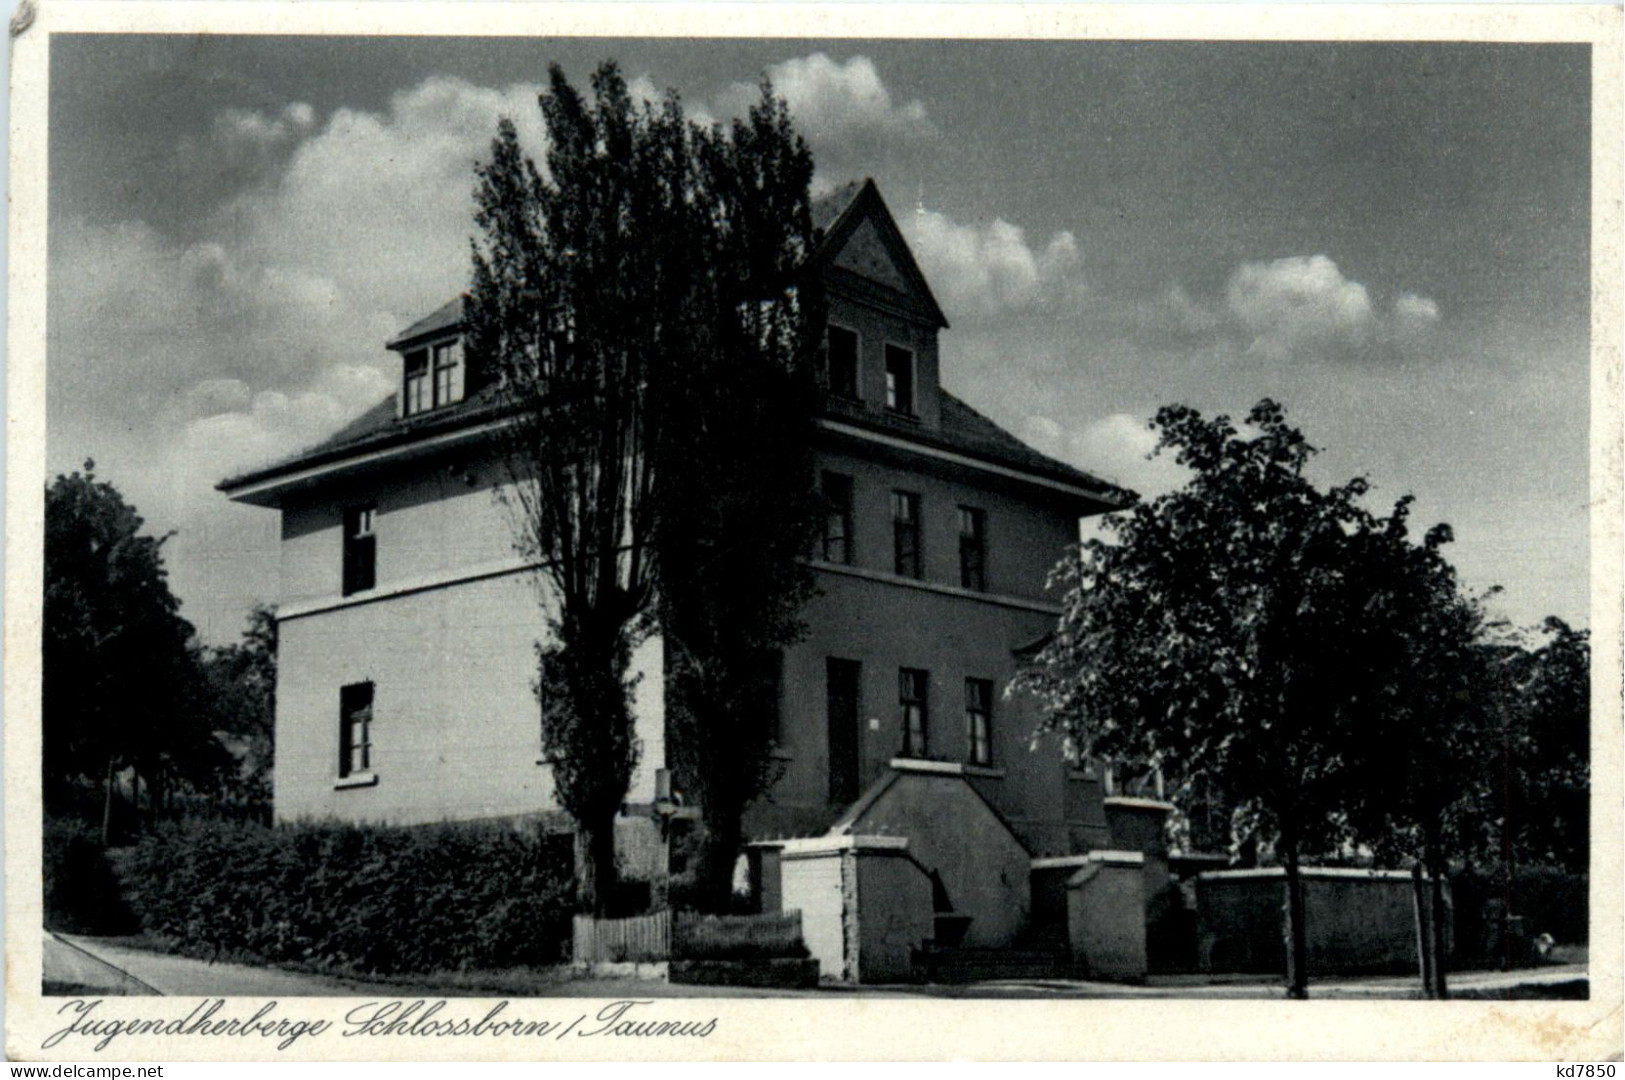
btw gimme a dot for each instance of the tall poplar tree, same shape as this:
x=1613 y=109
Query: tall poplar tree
x=637 y=302
x=738 y=509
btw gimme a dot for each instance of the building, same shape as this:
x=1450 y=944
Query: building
x=407 y=624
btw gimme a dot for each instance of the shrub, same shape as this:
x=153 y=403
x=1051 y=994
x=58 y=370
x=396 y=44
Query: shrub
x=81 y=892
x=363 y=899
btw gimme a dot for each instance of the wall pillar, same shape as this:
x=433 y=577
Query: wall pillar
x=865 y=904
x=1105 y=905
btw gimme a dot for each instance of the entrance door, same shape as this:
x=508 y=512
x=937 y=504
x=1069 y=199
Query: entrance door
x=843 y=677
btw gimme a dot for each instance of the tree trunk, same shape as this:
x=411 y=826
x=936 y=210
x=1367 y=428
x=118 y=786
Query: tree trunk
x=1441 y=954
x=1297 y=950
x=107 y=805
x=595 y=864
x=719 y=851
x=1424 y=930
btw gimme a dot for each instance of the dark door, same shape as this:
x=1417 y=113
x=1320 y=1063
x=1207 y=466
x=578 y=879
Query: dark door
x=842 y=680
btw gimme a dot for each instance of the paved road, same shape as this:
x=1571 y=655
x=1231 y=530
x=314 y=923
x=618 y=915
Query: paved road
x=118 y=969
x=67 y=965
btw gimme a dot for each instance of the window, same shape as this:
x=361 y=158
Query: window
x=844 y=686
x=432 y=385
x=360 y=549
x=837 y=518
x=972 y=548
x=911 y=691
x=900 y=379
x=355 y=729
x=448 y=374
x=905 y=518
x=771 y=689
x=417 y=382
x=979 y=721
x=843 y=362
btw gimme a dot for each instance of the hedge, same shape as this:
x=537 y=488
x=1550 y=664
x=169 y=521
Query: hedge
x=363 y=899
x=1549 y=899
x=81 y=894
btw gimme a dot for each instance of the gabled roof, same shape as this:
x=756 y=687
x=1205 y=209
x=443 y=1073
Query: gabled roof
x=829 y=207
x=838 y=215
x=377 y=429
x=963 y=430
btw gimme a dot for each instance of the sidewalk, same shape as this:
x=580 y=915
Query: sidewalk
x=102 y=967
x=117 y=969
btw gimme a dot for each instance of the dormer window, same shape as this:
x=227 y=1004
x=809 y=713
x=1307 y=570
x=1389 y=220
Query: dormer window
x=434 y=377
x=900 y=379
x=417 y=382
x=448 y=373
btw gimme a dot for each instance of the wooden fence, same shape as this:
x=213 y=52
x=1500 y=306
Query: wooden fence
x=686 y=936
x=642 y=939
x=721 y=937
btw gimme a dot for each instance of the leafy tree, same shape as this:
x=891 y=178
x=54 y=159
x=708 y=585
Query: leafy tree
x=1544 y=696
x=120 y=675
x=1424 y=750
x=736 y=496
x=1226 y=635
x=241 y=687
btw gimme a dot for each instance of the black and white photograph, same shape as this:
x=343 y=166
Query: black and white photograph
x=572 y=541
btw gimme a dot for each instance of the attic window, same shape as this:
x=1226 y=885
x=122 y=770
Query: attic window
x=417 y=382
x=900 y=379
x=434 y=377
x=843 y=362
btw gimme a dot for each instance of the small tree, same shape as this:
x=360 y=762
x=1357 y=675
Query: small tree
x=1225 y=635
x=120 y=668
x=736 y=493
x=241 y=685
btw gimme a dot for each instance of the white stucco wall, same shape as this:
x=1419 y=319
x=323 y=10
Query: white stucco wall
x=812 y=884
x=456 y=729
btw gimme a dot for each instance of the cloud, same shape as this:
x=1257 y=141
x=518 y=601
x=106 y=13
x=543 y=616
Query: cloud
x=835 y=102
x=250 y=127
x=1117 y=448
x=992 y=268
x=849 y=116
x=1414 y=315
x=381 y=204
x=177 y=361
x=1304 y=306
x=273 y=424
x=1299 y=301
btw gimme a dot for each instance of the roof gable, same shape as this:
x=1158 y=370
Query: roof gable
x=858 y=236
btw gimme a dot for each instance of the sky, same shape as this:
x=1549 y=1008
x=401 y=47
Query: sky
x=1392 y=240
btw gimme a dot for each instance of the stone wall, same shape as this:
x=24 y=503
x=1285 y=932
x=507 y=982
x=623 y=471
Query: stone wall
x=1354 y=921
